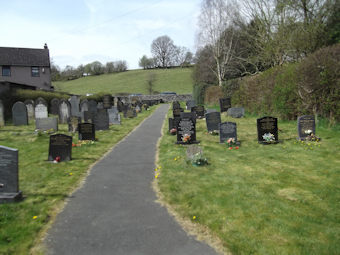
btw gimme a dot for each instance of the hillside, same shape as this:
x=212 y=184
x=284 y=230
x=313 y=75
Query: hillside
x=178 y=80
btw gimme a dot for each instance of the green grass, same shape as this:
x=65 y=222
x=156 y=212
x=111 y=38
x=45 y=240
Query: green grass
x=259 y=199
x=46 y=185
x=178 y=80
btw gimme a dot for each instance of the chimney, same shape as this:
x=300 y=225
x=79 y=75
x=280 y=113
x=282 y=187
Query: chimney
x=45 y=46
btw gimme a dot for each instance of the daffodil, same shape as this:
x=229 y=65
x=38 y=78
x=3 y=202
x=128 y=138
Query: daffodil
x=35 y=217
x=194 y=217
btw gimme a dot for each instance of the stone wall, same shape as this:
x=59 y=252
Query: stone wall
x=165 y=98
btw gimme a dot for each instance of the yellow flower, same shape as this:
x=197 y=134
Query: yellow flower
x=194 y=217
x=70 y=174
x=175 y=159
x=34 y=217
x=156 y=169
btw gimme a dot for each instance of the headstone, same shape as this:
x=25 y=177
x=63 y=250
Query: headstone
x=176 y=105
x=86 y=131
x=190 y=103
x=227 y=130
x=89 y=116
x=200 y=111
x=73 y=122
x=30 y=108
x=40 y=111
x=225 y=104
x=306 y=126
x=191 y=115
x=64 y=111
x=130 y=113
x=101 y=120
x=60 y=146
x=173 y=123
x=186 y=128
x=9 y=175
x=138 y=109
x=266 y=127
x=114 y=116
x=192 y=151
x=236 y=112
x=84 y=106
x=19 y=114
x=74 y=101
x=120 y=106
x=46 y=124
x=213 y=119
x=177 y=112
x=211 y=110
x=2 y=116
x=100 y=106
x=54 y=109
x=107 y=101
x=92 y=107
x=41 y=100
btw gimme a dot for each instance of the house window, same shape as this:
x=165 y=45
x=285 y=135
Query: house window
x=6 y=71
x=35 y=71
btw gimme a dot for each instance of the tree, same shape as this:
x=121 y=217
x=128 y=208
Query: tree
x=97 y=68
x=143 y=62
x=151 y=79
x=163 y=50
x=182 y=56
x=109 y=67
x=55 y=72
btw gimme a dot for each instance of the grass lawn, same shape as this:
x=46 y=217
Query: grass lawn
x=259 y=199
x=177 y=79
x=46 y=185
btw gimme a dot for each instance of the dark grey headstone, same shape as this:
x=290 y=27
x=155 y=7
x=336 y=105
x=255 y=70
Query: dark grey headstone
x=200 y=111
x=89 y=116
x=186 y=126
x=86 y=131
x=30 y=108
x=40 y=111
x=46 y=124
x=101 y=120
x=225 y=104
x=213 y=119
x=177 y=112
x=107 y=101
x=54 y=108
x=74 y=101
x=64 y=111
x=173 y=123
x=306 y=126
x=84 y=106
x=190 y=115
x=176 y=105
x=100 y=106
x=73 y=122
x=40 y=100
x=9 y=175
x=130 y=113
x=60 y=146
x=236 y=112
x=114 y=116
x=267 y=125
x=2 y=116
x=92 y=107
x=227 y=130
x=190 y=103
x=19 y=114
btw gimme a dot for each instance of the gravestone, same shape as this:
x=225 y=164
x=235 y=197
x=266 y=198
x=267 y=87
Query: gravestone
x=265 y=126
x=54 y=108
x=84 y=106
x=74 y=102
x=200 y=111
x=186 y=126
x=92 y=106
x=176 y=105
x=9 y=175
x=225 y=104
x=177 y=112
x=100 y=106
x=138 y=109
x=2 y=116
x=190 y=103
x=30 y=108
x=60 y=146
x=64 y=111
x=227 y=130
x=212 y=120
x=173 y=123
x=19 y=114
x=211 y=110
x=101 y=120
x=191 y=115
x=86 y=131
x=192 y=151
x=120 y=106
x=73 y=122
x=236 y=112
x=40 y=111
x=306 y=126
x=114 y=116
x=130 y=113
x=40 y=100
x=89 y=116
x=46 y=124
x=107 y=101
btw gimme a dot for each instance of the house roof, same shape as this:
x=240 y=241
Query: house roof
x=24 y=57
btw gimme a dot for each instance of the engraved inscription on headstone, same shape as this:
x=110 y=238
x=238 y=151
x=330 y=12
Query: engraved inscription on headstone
x=213 y=119
x=60 y=146
x=227 y=130
x=19 y=114
x=186 y=127
x=267 y=126
x=46 y=124
x=306 y=126
x=86 y=131
x=9 y=175
x=40 y=111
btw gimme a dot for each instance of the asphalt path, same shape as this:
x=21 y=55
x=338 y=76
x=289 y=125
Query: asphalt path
x=115 y=212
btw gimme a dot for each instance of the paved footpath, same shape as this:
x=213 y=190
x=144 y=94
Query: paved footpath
x=115 y=211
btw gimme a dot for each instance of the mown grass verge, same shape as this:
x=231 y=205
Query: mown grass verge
x=259 y=199
x=46 y=185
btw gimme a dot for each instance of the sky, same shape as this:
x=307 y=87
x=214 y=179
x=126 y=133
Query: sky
x=82 y=31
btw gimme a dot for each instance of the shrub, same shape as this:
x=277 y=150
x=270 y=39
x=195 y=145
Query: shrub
x=213 y=94
x=198 y=93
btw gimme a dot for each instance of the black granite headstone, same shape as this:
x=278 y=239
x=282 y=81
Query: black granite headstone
x=306 y=126
x=225 y=104
x=227 y=130
x=213 y=119
x=191 y=115
x=60 y=146
x=186 y=128
x=19 y=114
x=86 y=131
x=9 y=175
x=46 y=124
x=266 y=127
x=200 y=111
x=173 y=123
x=101 y=120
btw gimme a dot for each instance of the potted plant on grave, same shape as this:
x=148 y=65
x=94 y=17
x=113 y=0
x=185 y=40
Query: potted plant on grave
x=268 y=138
x=199 y=160
x=214 y=132
x=311 y=137
x=231 y=143
x=186 y=138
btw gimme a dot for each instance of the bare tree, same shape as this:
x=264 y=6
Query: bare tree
x=216 y=30
x=182 y=56
x=163 y=49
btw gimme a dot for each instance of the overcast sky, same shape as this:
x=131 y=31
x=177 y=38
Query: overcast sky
x=82 y=31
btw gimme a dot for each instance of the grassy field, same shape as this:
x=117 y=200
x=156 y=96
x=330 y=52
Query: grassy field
x=258 y=199
x=178 y=80
x=45 y=185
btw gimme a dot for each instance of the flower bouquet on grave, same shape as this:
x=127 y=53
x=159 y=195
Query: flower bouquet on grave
x=57 y=159
x=214 y=132
x=311 y=137
x=231 y=143
x=268 y=138
x=186 y=138
x=199 y=160
x=173 y=131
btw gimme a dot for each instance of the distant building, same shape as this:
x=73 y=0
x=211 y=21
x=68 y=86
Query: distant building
x=25 y=68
